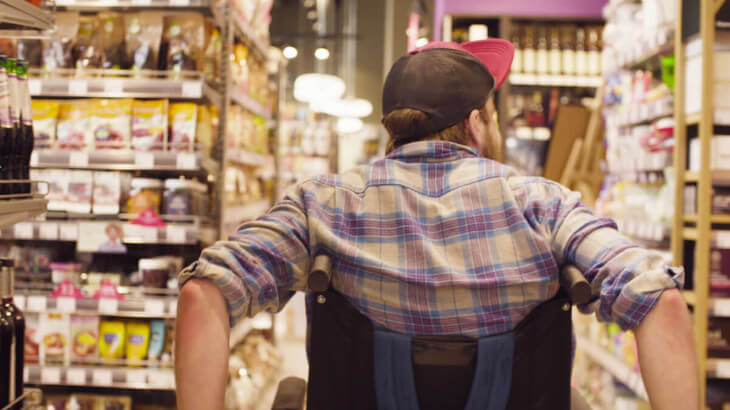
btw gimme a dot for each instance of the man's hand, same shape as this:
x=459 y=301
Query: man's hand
x=201 y=346
x=667 y=354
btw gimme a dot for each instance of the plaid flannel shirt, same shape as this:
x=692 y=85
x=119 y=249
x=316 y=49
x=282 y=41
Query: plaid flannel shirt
x=435 y=239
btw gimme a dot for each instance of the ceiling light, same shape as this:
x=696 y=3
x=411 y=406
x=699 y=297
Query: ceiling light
x=312 y=14
x=422 y=41
x=318 y=87
x=349 y=125
x=290 y=52
x=349 y=107
x=321 y=53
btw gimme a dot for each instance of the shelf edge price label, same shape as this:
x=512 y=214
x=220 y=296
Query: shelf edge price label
x=36 y=303
x=76 y=376
x=721 y=307
x=154 y=307
x=78 y=159
x=191 y=89
x=141 y=2
x=176 y=234
x=34 y=85
x=48 y=231
x=69 y=232
x=66 y=304
x=108 y=306
x=723 y=368
x=102 y=377
x=113 y=86
x=186 y=160
x=145 y=160
x=19 y=301
x=34 y=159
x=78 y=87
x=137 y=377
x=173 y=307
x=50 y=375
x=179 y=3
x=24 y=230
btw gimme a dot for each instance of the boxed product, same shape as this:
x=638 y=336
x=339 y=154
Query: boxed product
x=107 y=193
x=149 y=125
x=74 y=129
x=145 y=193
x=58 y=181
x=720 y=264
x=32 y=337
x=719 y=153
x=143 y=33
x=718 y=337
x=45 y=116
x=112 y=123
x=111 y=40
x=111 y=339
x=184 y=197
x=182 y=119
x=58 y=49
x=79 y=192
x=54 y=328
x=84 y=338
x=138 y=340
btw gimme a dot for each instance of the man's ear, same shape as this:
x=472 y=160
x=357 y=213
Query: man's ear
x=475 y=128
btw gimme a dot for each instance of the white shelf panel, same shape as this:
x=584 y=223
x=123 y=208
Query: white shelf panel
x=25 y=15
x=622 y=373
x=243 y=157
x=121 y=84
x=549 y=80
x=13 y=211
x=147 y=307
x=239 y=214
x=249 y=103
x=123 y=160
x=107 y=377
x=104 y=4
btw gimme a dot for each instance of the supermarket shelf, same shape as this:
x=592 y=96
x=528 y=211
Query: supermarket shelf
x=24 y=15
x=689 y=297
x=106 y=377
x=249 y=103
x=718 y=368
x=243 y=157
x=239 y=214
x=643 y=229
x=715 y=219
x=622 y=373
x=123 y=160
x=546 y=80
x=648 y=112
x=717 y=307
x=136 y=307
x=690 y=234
x=68 y=231
x=246 y=32
x=121 y=84
x=13 y=211
x=720 y=117
x=261 y=321
x=721 y=177
x=105 y=4
x=646 y=49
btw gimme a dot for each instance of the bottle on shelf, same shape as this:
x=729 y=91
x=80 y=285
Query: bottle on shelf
x=594 y=51
x=26 y=123
x=528 y=51
x=6 y=130
x=517 y=42
x=568 y=48
x=542 y=55
x=581 y=55
x=13 y=336
x=536 y=111
x=555 y=55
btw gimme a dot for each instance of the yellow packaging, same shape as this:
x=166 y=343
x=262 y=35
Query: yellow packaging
x=111 y=339
x=182 y=120
x=74 y=124
x=112 y=123
x=45 y=116
x=138 y=340
x=204 y=131
x=149 y=125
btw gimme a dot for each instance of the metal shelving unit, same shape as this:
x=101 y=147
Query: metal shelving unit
x=135 y=306
x=250 y=104
x=125 y=160
x=128 y=4
x=104 y=377
x=25 y=18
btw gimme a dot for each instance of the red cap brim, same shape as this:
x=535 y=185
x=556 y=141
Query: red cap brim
x=495 y=53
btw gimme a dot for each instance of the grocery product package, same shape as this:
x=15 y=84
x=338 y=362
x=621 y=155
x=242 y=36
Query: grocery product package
x=143 y=32
x=182 y=120
x=107 y=193
x=145 y=193
x=80 y=188
x=112 y=123
x=182 y=42
x=149 y=125
x=74 y=125
x=112 y=41
x=32 y=337
x=45 y=117
x=87 y=50
x=111 y=339
x=58 y=49
x=54 y=328
x=31 y=51
x=138 y=339
x=84 y=338
x=115 y=402
x=212 y=58
x=204 y=131
x=58 y=180
x=157 y=339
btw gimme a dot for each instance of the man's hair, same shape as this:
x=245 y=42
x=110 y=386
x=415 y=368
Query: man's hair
x=404 y=126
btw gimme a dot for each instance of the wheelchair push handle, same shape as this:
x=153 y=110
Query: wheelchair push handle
x=575 y=285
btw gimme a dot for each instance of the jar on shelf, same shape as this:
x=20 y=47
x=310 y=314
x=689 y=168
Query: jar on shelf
x=154 y=272
x=184 y=197
x=145 y=193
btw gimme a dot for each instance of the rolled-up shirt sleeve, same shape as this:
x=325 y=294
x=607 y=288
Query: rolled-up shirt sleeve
x=262 y=264
x=626 y=278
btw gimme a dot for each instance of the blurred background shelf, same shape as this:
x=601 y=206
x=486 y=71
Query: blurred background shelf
x=123 y=160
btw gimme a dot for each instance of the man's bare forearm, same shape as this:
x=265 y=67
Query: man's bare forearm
x=667 y=355
x=201 y=346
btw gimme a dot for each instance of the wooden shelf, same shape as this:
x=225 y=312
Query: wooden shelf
x=715 y=219
x=690 y=234
x=718 y=177
x=694 y=118
x=689 y=297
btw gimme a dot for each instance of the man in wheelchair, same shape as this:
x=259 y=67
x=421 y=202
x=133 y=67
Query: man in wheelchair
x=439 y=281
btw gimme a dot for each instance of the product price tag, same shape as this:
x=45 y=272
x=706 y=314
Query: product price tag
x=187 y=160
x=26 y=375
x=113 y=86
x=76 y=376
x=141 y=2
x=24 y=230
x=48 y=231
x=154 y=307
x=102 y=377
x=108 y=306
x=137 y=377
x=69 y=232
x=66 y=304
x=145 y=160
x=191 y=89
x=176 y=234
x=149 y=234
x=173 y=307
x=65 y=2
x=34 y=86
x=34 y=159
x=723 y=368
x=721 y=307
x=161 y=379
x=78 y=87
x=19 y=301
x=78 y=159
x=50 y=375
x=179 y=3
x=36 y=304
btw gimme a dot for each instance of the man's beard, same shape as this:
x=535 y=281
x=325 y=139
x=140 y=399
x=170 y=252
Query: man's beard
x=492 y=147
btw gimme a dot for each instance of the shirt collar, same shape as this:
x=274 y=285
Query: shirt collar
x=432 y=151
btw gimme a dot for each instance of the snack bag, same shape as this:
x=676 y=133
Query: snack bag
x=111 y=339
x=112 y=123
x=107 y=193
x=183 y=42
x=138 y=339
x=58 y=49
x=55 y=338
x=45 y=117
x=87 y=51
x=32 y=337
x=142 y=34
x=149 y=125
x=111 y=38
x=84 y=338
x=182 y=120
x=80 y=186
x=74 y=125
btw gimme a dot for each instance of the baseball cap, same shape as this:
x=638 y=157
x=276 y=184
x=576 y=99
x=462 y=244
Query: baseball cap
x=447 y=80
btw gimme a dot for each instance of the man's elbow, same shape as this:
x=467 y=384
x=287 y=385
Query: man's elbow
x=201 y=298
x=669 y=315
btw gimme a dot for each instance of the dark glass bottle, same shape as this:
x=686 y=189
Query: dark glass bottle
x=26 y=121
x=14 y=110
x=5 y=129
x=9 y=331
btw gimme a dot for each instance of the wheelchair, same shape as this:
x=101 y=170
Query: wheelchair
x=354 y=365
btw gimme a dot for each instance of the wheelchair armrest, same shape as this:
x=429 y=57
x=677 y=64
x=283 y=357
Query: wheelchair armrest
x=290 y=394
x=575 y=285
